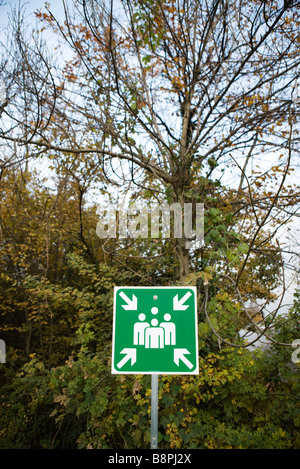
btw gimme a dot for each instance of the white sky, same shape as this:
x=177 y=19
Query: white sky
x=30 y=7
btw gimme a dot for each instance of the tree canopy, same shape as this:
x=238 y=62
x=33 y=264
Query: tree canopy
x=144 y=102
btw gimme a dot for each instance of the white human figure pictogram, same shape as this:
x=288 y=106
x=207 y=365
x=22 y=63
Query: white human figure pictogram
x=170 y=330
x=154 y=336
x=139 y=330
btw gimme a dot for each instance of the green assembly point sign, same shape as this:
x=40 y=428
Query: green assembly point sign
x=155 y=330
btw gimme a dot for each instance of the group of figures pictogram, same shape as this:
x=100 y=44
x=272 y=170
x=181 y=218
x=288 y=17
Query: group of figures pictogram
x=154 y=335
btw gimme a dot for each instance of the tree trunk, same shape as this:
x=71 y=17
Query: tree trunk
x=184 y=260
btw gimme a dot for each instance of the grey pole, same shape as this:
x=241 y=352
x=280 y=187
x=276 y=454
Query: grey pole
x=154 y=411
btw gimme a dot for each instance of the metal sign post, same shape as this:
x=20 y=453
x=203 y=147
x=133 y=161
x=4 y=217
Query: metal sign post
x=154 y=411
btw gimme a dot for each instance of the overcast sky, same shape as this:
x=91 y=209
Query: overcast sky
x=30 y=7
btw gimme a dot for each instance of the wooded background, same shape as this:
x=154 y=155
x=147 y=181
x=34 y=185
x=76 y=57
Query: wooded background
x=136 y=101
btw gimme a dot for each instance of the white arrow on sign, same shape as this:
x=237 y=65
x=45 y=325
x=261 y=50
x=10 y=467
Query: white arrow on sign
x=131 y=304
x=130 y=354
x=179 y=354
x=178 y=305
